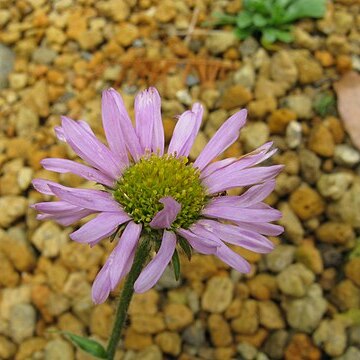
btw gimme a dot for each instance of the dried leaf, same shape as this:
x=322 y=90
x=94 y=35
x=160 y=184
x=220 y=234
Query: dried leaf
x=348 y=93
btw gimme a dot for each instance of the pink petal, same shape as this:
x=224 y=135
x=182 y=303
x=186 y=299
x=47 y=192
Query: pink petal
x=149 y=127
x=101 y=287
x=153 y=271
x=186 y=130
x=165 y=217
x=90 y=149
x=118 y=127
x=255 y=194
x=42 y=186
x=217 y=165
x=225 y=180
x=236 y=213
x=65 y=166
x=262 y=228
x=232 y=234
x=124 y=253
x=86 y=198
x=102 y=226
x=59 y=131
x=67 y=218
x=232 y=259
x=201 y=244
x=224 y=137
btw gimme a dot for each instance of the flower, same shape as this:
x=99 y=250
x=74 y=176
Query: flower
x=160 y=195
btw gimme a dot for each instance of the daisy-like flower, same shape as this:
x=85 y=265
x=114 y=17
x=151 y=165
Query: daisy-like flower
x=160 y=195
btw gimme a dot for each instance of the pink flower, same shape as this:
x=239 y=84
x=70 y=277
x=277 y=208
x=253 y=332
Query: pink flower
x=162 y=196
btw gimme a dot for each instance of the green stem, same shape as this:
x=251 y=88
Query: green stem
x=141 y=255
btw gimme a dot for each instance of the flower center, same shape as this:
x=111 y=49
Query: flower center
x=154 y=177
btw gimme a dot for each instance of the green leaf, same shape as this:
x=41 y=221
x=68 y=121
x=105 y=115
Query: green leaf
x=186 y=247
x=351 y=317
x=268 y=36
x=259 y=6
x=223 y=19
x=90 y=346
x=244 y=20
x=176 y=265
x=259 y=20
x=305 y=8
x=284 y=36
x=243 y=33
x=325 y=104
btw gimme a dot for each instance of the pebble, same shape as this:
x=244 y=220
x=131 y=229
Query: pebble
x=135 y=341
x=177 y=316
x=346 y=295
x=331 y=336
x=101 y=320
x=49 y=239
x=295 y=280
x=333 y=186
x=169 y=342
x=293 y=134
x=286 y=184
x=218 y=294
x=300 y=104
x=220 y=331
x=275 y=344
x=347 y=209
x=352 y=353
x=44 y=55
x=306 y=202
x=58 y=350
x=247 y=351
x=27 y=121
x=346 y=155
x=308 y=67
x=247 y=322
x=254 y=135
x=262 y=287
x=195 y=334
x=304 y=314
x=321 y=141
x=7 y=348
x=235 y=96
x=301 y=347
x=310 y=165
x=270 y=315
x=7 y=59
x=283 y=68
x=11 y=209
x=219 y=42
x=279 y=120
x=293 y=227
x=22 y=322
x=150 y=353
x=245 y=76
x=146 y=303
x=261 y=107
x=352 y=270
x=148 y=324
x=310 y=256
x=280 y=258
x=18 y=81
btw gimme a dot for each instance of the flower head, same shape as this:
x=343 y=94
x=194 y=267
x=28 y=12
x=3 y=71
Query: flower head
x=162 y=195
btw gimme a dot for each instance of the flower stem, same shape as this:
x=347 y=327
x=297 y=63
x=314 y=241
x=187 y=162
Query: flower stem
x=141 y=255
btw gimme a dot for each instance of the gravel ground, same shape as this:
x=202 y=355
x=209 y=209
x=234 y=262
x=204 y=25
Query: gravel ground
x=299 y=302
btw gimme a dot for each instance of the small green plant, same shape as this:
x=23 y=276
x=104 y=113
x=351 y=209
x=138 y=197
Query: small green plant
x=271 y=19
x=325 y=104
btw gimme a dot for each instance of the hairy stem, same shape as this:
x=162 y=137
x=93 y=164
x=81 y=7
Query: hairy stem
x=141 y=256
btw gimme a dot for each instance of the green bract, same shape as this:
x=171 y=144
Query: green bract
x=272 y=18
x=143 y=184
